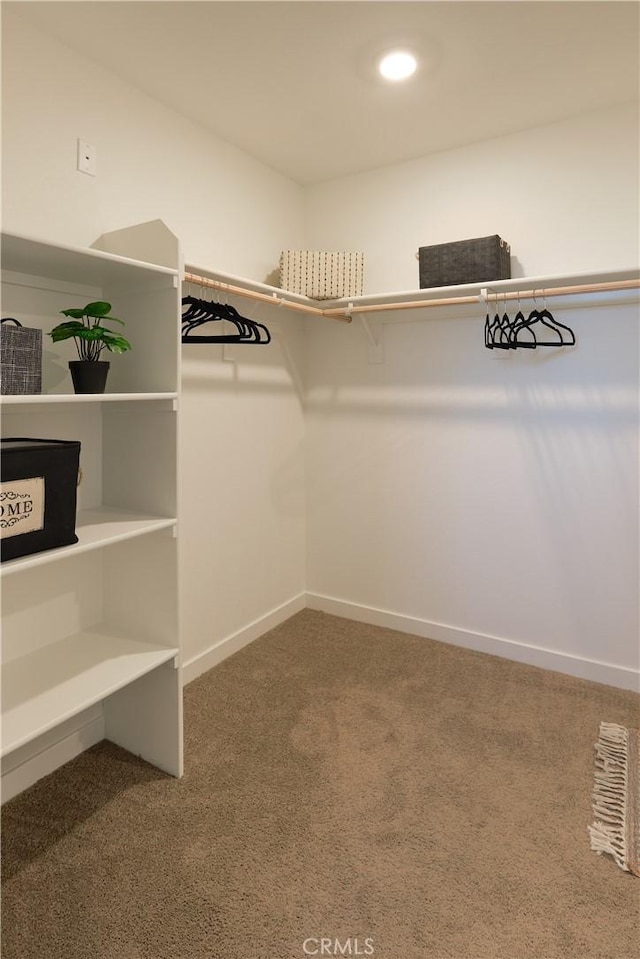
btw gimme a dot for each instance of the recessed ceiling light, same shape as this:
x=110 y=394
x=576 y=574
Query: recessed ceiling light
x=397 y=65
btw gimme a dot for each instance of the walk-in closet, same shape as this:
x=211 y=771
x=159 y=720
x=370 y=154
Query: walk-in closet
x=342 y=654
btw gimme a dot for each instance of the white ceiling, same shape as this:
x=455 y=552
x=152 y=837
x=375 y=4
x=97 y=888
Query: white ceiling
x=292 y=82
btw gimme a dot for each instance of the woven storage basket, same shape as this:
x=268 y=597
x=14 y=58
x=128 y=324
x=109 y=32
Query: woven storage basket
x=20 y=358
x=465 y=261
x=322 y=275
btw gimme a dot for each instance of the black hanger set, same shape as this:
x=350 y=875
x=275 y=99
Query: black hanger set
x=199 y=312
x=539 y=328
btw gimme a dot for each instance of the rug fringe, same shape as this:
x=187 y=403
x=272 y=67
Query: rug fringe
x=609 y=800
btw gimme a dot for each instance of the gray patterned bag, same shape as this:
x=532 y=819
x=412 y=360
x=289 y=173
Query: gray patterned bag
x=20 y=358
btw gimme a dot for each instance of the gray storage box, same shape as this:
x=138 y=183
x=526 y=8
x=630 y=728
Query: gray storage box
x=20 y=358
x=465 y=261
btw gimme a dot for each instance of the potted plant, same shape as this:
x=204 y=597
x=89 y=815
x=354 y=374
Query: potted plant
x=86 y=326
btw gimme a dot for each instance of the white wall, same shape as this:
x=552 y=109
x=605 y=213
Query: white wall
x=242 y=511
x=479 y=497
x=565 y=196
x=229 y=210
x=243 y=508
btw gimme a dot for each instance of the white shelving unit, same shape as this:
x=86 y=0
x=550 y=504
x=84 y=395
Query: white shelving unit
x=90 y=631
x=41 y=690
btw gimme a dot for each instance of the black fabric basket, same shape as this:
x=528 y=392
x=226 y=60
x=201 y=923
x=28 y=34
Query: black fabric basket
x=38 y=495
x=20 y=358
x=465 y=261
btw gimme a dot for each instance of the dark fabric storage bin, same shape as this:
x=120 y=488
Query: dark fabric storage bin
x=37 y=495
x=465 y=261
x=20 y=358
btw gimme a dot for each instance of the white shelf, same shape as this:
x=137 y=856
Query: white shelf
x=515 y=283
x=45 y=399
x=23 y=254
x=95 y=529
x=425 y=295
x=48 y=686
x=253 y=286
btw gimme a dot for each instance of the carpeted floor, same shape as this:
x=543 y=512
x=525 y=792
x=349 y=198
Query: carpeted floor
x=343 y=782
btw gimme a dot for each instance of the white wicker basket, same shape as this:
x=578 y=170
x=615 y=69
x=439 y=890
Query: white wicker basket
x=322 y=275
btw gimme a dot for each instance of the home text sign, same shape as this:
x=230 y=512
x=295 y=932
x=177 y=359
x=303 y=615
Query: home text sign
x=21 y=506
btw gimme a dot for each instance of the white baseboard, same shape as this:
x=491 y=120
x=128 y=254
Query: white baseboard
x=231 y=644
x=25 y=766
x=597 y=672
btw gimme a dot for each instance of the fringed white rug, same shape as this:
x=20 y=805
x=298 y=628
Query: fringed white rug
x=616 y=796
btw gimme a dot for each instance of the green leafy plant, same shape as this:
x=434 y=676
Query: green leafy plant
x=87 y=329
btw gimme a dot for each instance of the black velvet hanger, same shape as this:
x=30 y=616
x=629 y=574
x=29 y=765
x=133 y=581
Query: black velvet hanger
x=504 y=334
x=201 y=311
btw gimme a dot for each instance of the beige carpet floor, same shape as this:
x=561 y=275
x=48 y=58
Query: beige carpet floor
x=343 y=782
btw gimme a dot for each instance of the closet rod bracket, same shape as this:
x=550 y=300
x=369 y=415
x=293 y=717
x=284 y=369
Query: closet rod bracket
x=487 y=296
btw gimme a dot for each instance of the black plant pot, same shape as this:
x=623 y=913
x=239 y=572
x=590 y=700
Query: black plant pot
x=89 y=376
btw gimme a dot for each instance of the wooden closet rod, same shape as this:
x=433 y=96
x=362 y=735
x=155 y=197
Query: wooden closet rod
x=567 y=290
x=265 y=297
x=490 y=297
x=344 y=313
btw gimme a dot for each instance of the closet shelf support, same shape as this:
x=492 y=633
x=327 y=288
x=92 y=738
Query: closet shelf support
x=373 y=328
